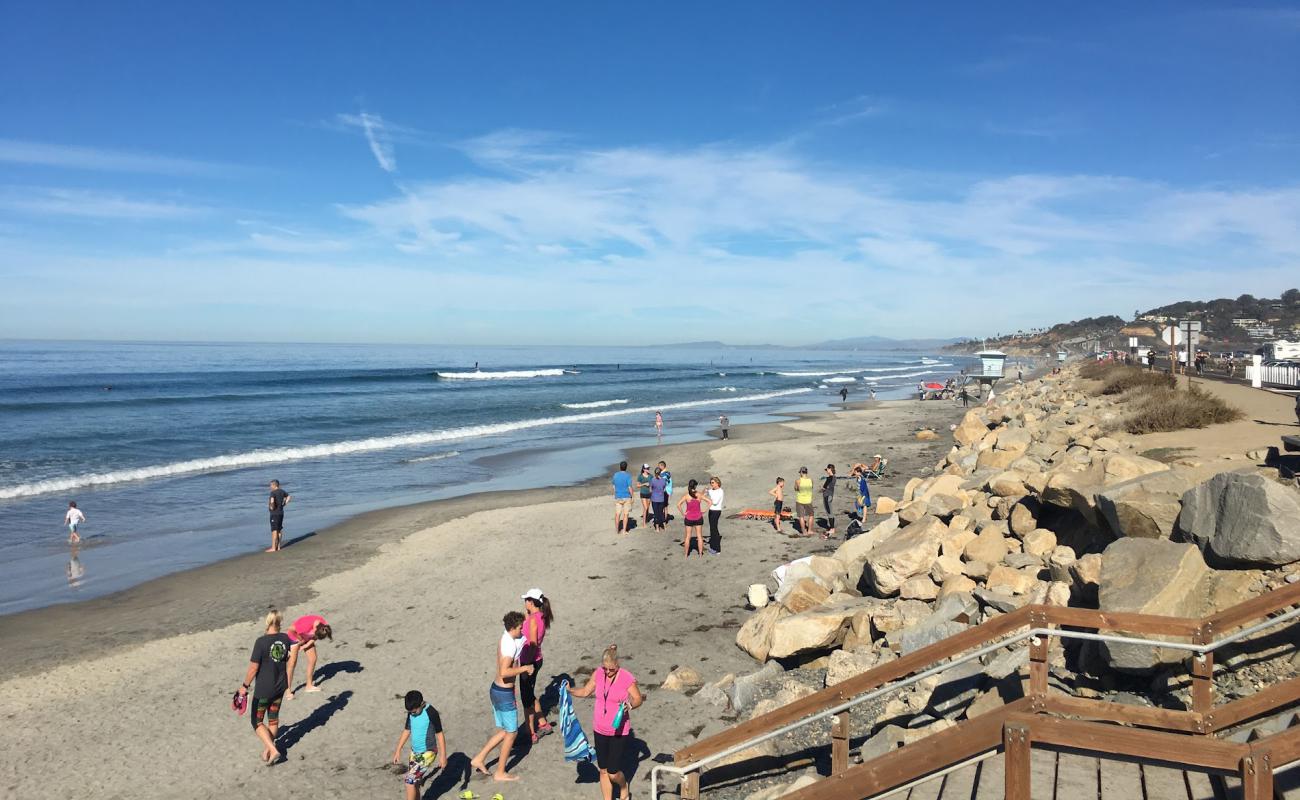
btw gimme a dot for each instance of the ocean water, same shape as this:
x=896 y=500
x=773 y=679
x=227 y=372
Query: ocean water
x=168 y=448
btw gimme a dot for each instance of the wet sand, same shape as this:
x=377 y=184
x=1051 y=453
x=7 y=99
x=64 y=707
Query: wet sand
x=141 y=680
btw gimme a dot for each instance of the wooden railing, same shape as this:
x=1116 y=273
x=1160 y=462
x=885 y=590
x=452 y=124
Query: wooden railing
x=1036 y=624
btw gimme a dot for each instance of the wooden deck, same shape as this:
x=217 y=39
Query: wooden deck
x=1065 y=776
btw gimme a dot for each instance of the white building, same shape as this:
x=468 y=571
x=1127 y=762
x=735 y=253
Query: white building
x=1282 y=350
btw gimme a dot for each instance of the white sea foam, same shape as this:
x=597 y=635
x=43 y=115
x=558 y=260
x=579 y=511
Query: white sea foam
x=595 y=404
x=725 y=389
x=897 y=375
x=722 y=374
x=283 y=455
x=517 y=374
x=840 y=379
x=818 y=374
x=433 y=457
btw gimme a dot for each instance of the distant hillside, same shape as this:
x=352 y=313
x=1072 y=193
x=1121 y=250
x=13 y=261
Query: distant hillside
x=1244 y=323
x=884 y=343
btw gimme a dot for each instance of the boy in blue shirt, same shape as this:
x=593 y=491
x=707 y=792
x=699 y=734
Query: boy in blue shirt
x=423 y=728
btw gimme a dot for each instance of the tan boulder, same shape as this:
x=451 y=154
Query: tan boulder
x=918 y=587
x=909 y=552
x=954 y=544
x=942 y=485
x=845 y=664
x=1059 y=563
x=1087 y=570
x=755 y=636
x=818 y=629
x=885 y=505
x=853 y=554
x=979 y=570
x=1011 y=581
x=996 y=459
x=682 y=679
x=926 y=435
x=955 y=584
x=1022 y=519
x=989 y=546
x=802 y=595
x=1039 y=542
x=1119 y=468
x=909 y=489
x=971 y=429
x=961 y=522
x=1007 y=484
x=1151 y=576
x=945 y=567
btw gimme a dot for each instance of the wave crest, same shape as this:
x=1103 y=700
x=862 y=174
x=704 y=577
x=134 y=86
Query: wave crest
x=595 y=404
x=516 y=374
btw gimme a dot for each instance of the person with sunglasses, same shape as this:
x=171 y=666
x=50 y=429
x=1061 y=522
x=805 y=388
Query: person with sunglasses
x=616 y=694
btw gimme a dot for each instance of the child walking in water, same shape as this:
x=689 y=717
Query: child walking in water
x=73 y=520
x=778 y=502
x=693 y=516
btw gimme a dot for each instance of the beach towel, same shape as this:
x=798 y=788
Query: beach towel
x=576 y=746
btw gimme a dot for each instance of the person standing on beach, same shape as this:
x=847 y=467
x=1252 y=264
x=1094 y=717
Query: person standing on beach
x=668 y=488
x=844 y=394
x=502 y=694
x=716 y=496
x=616 y=695
x=643 y=489
x=276 y=502
x=693 y=518
x=537 y=618
x=659 y=497
x=965 y=397
x=724 y=423
x=778 y=502
x=659 y=424
x=304 y=633
x=622 y=498
x=803 y=502
x=828 y=500
x=872 y=392
x=423 y=730
x=267 y=665
x=73 y=520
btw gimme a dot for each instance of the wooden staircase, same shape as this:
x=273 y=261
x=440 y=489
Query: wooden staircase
x=1050 y=744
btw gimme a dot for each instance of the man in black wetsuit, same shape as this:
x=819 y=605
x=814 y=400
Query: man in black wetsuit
x=278 y=499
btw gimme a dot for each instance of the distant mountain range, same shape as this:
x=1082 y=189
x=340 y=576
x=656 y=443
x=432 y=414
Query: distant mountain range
x=855 y=343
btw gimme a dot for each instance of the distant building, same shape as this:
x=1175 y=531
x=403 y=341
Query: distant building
x=1281 y=350
x=1258 y=332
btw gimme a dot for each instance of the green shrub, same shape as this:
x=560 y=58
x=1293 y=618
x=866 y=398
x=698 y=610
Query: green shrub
x=1159 y=409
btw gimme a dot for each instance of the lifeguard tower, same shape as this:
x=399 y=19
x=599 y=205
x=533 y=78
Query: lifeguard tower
x=992 y=368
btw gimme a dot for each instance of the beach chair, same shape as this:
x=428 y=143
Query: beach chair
x=879 y=472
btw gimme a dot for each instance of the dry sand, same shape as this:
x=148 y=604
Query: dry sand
x=1268 y=416
x=128 y=696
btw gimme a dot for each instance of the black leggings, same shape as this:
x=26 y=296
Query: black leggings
x=827 y=499
x=658 y=506
x=715 y=538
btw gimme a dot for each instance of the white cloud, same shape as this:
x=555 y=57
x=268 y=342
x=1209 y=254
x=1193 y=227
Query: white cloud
x=91 y=204
x=377 y=135
x=44 y=154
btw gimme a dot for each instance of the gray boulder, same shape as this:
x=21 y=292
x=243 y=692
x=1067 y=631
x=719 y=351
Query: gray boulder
x=1151 y=576
x=1244 y=519
x=1145 y=507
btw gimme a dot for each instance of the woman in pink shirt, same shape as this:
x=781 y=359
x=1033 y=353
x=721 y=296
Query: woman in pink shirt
x=304 y=632
x=616 y=695
x=693 y=517
x=537 y=618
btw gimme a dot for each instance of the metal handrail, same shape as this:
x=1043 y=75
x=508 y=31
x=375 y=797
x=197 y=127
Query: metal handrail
x=1030 y=634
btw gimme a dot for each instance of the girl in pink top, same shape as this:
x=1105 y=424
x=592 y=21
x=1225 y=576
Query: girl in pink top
x=616 y=695
x=537 y=618
x=304 y=633
x=693 y=517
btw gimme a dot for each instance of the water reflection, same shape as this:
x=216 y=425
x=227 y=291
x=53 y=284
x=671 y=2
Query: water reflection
x=76 y=571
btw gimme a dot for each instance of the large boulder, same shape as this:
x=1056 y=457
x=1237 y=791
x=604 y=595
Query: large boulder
x=1145 y=507
x=755 y=636
x=910 y=551
x=1120 y=468
x=853 y=553
x=1151 y=576
x=942 y=485
x=801 y=595
x=1243 y=518
x=819 y=629
x=972 y=428
x=989 y=546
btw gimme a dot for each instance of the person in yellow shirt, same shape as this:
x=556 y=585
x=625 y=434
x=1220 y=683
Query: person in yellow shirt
x=803 y=502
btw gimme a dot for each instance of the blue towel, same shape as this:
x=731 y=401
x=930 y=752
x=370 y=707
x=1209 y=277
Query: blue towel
x=576 y=747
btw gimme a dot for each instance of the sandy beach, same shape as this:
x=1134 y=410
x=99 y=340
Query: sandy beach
x=142 y=679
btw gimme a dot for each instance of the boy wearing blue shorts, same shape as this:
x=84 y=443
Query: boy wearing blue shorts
x=501 y=693
x=428 y=747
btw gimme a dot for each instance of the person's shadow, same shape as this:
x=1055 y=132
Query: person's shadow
x=335 y=667
x=455 y=777
x=292 y=734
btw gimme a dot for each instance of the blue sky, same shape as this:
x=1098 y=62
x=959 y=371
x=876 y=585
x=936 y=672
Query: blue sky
x=619 y=172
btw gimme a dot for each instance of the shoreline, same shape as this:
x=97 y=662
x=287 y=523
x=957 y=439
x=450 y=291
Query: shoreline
x=415 y=596
x=196 y=603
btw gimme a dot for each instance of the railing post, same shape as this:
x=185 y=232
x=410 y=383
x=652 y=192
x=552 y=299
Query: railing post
x=691 y=786
x=1203 y=681
x=1257 y=776
x=1015 y=750
x=1038 y=655
x=840 y=743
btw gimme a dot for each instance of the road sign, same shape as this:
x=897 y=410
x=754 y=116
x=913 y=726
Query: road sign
x=1189 y=325
x=1171 y=336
